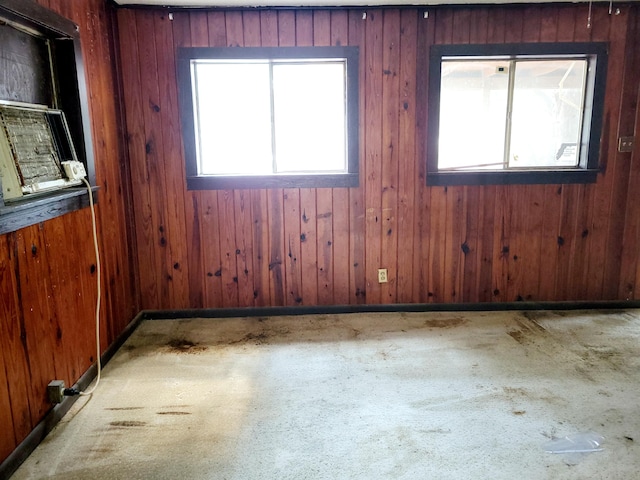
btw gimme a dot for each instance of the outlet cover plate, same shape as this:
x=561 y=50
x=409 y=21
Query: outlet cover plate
x=382 y=275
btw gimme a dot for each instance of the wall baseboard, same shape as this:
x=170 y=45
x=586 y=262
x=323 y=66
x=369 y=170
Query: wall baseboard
x=403 y=307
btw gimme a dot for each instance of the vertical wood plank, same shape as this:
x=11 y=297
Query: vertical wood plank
x=244 y=244
x=340 y=196
x=228 y=249
x=39 y=330
x=173 y=160
x=291 y=196
x=407 y=175
x=324 y=196
x=357 y=282
x=390 y=152
x=422 y=218
x=8 y=440
x=373 y=152
x=14 y=375
x=192 y=200
x=308 y=221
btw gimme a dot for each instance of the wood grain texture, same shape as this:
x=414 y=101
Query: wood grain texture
x=48 y=271
x=15 y=415
x=458 y=244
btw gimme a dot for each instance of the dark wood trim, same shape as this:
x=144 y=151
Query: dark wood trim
x=512 y=178
x=35 y=16
x=272 y=181
x=30 y=211
x=382 y=308
x=9 y=466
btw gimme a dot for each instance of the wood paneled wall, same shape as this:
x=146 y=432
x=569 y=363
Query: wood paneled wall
x=47 y=271
x=324 y=246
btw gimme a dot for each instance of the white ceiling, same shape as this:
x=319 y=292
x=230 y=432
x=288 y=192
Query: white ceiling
x=328 y=3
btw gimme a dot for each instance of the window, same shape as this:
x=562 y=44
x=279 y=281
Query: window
x=515 y=113
x=270 y=117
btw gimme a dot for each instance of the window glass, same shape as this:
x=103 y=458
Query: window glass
x=232 y=104
x=309 y=117
x=473 y=112
x=548 y=99
x=511 y=114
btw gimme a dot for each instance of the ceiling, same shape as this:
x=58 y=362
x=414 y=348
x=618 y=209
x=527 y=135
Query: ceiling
x=328 y=3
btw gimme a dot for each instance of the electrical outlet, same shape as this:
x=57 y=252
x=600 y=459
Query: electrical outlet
x=55 y=391
x=382 y=275
x=74 y=170
x=625 y=144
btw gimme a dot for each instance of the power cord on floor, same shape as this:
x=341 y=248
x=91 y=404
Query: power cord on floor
x=98 y=300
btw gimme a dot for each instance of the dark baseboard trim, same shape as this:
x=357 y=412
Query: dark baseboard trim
x=404 y=307
x=42 y=429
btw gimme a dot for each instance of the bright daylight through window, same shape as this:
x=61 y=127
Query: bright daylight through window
x=514 y=117
x=270 y=117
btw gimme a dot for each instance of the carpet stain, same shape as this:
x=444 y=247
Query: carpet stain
x=257 y=339
x=128 y=423
x=445 y=323
x=518 y=336
x=174 y=413
x=515 y=392
x=182 y=345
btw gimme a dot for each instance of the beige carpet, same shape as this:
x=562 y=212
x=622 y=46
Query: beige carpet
x=362 y=396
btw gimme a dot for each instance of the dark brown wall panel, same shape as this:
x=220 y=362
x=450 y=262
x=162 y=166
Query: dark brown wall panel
x=324 y=246
x=48 y=271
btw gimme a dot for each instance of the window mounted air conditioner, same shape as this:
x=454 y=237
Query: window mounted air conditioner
x=36 y=151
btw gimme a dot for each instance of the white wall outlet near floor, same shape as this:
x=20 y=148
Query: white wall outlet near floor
x=382 y=275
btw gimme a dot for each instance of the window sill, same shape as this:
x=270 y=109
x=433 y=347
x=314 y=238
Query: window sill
x=512 y=178
x=29 y=211
x=272 y=181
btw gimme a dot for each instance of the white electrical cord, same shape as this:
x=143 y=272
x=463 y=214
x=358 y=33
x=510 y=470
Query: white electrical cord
x=95 y=244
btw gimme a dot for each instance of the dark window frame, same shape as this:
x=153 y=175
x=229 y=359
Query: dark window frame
x=587 y=171
x=223 y=182
x=72 y=97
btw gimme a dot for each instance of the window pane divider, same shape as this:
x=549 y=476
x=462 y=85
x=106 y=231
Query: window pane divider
x=507 y=130
x=274 y=162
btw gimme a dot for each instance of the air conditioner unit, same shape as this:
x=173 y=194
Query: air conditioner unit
x=35 y=145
